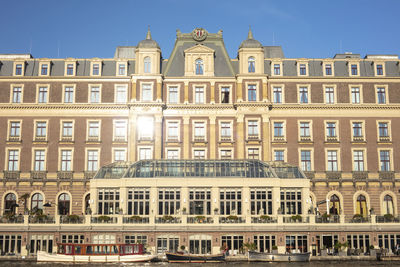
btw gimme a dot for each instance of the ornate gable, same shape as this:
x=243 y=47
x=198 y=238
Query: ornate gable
x=199 y=53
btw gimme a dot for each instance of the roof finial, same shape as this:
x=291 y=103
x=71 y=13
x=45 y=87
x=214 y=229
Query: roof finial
x=148 y=36
x=250 y=34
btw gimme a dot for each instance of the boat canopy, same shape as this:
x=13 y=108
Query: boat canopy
x=199 y=168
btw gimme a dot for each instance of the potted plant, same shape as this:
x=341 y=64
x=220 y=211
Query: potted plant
x=249 y=247
x=216 y=211
x=279 y=211
x=275 y=249
x=324 y=251
x=265 y=218
x=341 y=248
x=388 y=217
x=200 y=218
x=296 y=218
x=104 y=218
x=25 y=198
x=167 y=218
x=136 y=218
x=73 y=218
x=184 y=210
x=232 y=218
x=372 y=251
x=358 y=218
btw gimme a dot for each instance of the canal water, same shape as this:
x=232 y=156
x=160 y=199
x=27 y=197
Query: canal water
x=231 y=264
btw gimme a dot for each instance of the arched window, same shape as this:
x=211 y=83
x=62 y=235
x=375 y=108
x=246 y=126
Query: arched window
x=37 y=202
x=334 y=205
x=252 y=64
x=10 y=203
x=87 y=204
x=63 y=204
x=147 y=65
x=388 y=205
x=199 y=67
x=361 y=207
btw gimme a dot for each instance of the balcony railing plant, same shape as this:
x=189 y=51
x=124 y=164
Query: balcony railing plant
x=12 y=218
x=359 y=218
x=263 y=219
x=72 y=219
x=387 y=218
x=136 y=219
x=231 y=219
x=168 y=219
x=296 y=219
x=327 y=218
x=200 y=219
x=41 y=218
x=103 y=219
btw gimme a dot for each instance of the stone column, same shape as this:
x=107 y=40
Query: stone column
x=239 y=92
x=186 y=137
x=266 y=142
x=240 y=136
x=186 y=93
x=132 y=136
x=265 y=90
x=158 y=137
x=212 y=93
x=212 y=136
x=133 y=92
x=159 y=93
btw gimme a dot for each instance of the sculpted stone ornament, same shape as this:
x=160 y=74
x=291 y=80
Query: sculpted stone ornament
x=199 y=34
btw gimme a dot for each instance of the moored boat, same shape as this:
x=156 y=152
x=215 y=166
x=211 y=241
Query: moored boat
x=96 y=253
x=177 y=257
x=289 y=257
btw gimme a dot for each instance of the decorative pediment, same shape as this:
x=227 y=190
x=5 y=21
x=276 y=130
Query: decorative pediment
x=199 y=49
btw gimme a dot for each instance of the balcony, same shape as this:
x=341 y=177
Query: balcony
x=253 y=137
x=200 y=219
x=168 y=219
x=136 y=219
x=386 y=175
x=296 y=219
x=199 y=139
x=41 y=219
x=384 y=139
x=306 y=139
x=325 y=218
x=89 y=174
x=72 y=219
x=103 y=219
x=226 y=138
x=279 y=139
x=40 y=139
x=64 y=175
x=11 y=174
x=333 y=175
x=231 y=219
x=309 y=174
x=360 y=175
x=358 y=139
x=10 y=218
x=66 y=139
x=122 y=139
x=332 y=139
x=358 y=218
x=264 y=219
x=387 y=218
x=38 y=174
x=14 y=139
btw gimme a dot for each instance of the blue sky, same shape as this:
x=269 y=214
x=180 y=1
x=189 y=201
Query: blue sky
x=89 y=28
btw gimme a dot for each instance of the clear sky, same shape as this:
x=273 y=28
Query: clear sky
x=93 y=28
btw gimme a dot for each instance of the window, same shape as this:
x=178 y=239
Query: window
x=232 y=242
x=15 y=130
x=384 y=158
x=145 y=153
x=357 y=129
x=121 y=94
x=95 y=94
x=198 y=244
x=77 y=239
x=328 y=69
x=37 y=202
x=277 y=69
x=329 y=95
x=94 y=130
x=66 y=160
x=331 y=129
x=67 y=129
x=172 y=154
x=139 y=239
x=199 y=67
x=279 y=155
x=146 y=128
x=265 y=243
x=252 y=127
x=334 y=205
x=119 y=155
x=355 y=95
x=139 y=201
x=261 y=201
x=147 y=92
x=303 y=69
x=41 y=129
x=68 y=94
x=358 y=160
x=253 y=153
x=200 y=201
x=381 y=95
x=225 y=154
x=121 y=69
x=10 y=203
x=225 y=91
x=252 y=64
x=388 y=207
x=252 y=92
x=169 y=201
x=303 y=93
x=16 y=95
x=305 y=157
x=173 y=128
x=278 y=95
x=70 y=69
x=332 y=160
x=354 y=69
x=42 y=96
x=13 y=157
x=92 y=160
x=226 y=130
x=96 y=69
x=230 y=201
x=278 y=130
x=18 y=69
x=296 y=242
x=147 y=65
x=173 y=95
x=39 y=161
x=199 y=154
x=167 y=244
x=120 y=131
x=304 y=129
x=291 y=201
x=63 y=204
x=379 y=69
x=199 y=130
x=44 y=69
x=383 y=129
x=199 y=95
x=361 y=205
x=108 y=201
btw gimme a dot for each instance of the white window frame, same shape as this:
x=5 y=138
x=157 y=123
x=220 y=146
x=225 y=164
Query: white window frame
x=391 y=159
x=363 y=133
x=260 y=155
x=376 y=63
x=220 y=86
x=332 y=68
x=148 y=148
x=62 y=129
x=100 y=65
x=124 y=150
x=202 y=138
x=305 y=63
x=177 y=149
x=259 y=127
x=385 y=86
x=274 y=150
x=65 y=86
x=38 y=93
x=311 y=149
x=60 y=149
x=195 y=95
x=177 y=86
x=338 y=159
x=364 y=150
x=282 y=86
x=310 y=124
x=223 y=137
x=389 y=137
x=231 y=149
x=41 y=64
x=360 y=87
x=350 y=63
x=90 y=87
x=124 y=63
x=336 y=129
x=273 y=63
x=73 y=68
x=308 y=86
x=14 y=138
x=325 y=86
x=44 y=167
x=7 y=157
x=12 y=86
x=116 y=93
x=42 y=138
x=98 y=151
x=150 y=90
x=204 y=150
x=178 y=124
x=117 y=138
x=278 y=138
x=88 y=136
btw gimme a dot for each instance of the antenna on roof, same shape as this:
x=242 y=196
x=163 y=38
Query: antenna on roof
x=58 y=48
x=273 y=38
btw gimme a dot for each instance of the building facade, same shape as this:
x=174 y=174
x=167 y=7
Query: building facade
x=335 y=118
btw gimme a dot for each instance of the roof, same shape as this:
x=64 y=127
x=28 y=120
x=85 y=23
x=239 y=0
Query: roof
x=250 y=42
x=148 y=42
x=199 y=168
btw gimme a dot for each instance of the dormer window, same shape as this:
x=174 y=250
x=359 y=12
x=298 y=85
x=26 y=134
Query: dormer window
x=303 y=70
x=96 y=69
x=252 y=64
x=379 y=69
x=121 y=69
x=328 y=69
x=18 y=69
x=44 y=69
x=354 y=69
x=70 y=69
x=277 y=69
x=199 y=67
x=147 y=65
